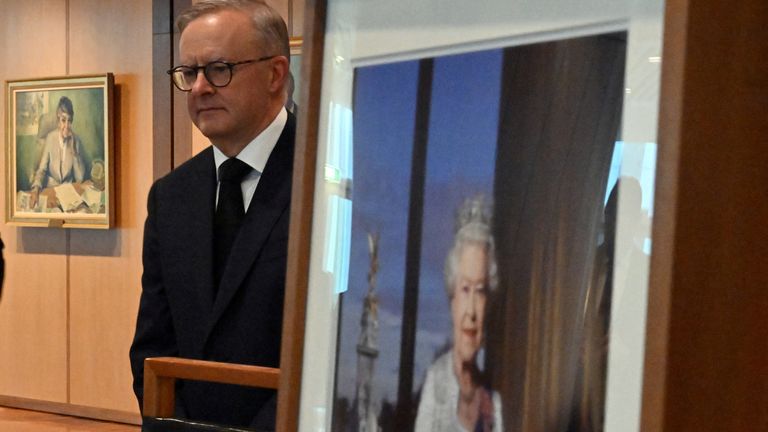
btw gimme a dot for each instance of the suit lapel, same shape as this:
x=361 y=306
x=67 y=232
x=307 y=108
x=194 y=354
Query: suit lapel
x=270 y=200
x=195 y=228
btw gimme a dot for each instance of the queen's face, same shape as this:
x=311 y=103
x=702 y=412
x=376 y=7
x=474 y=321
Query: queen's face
x=468 y=303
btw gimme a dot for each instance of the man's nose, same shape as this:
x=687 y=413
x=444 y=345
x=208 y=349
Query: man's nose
x=201 y=84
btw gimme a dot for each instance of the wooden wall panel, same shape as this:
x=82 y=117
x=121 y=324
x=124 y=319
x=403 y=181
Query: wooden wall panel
x=296 y=24
x=162 y=90
x=199 y=142
x=105 y=266
x=33 y=309
x=705 y=367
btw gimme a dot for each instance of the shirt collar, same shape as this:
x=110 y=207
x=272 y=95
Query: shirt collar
x=62 y=141
x=258 y=150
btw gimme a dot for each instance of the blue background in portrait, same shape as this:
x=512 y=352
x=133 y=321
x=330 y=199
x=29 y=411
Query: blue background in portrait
x=460 y=164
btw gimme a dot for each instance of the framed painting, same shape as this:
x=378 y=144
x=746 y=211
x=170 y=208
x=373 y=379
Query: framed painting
x=59 y=169
x=478 y=187
x=294 y=84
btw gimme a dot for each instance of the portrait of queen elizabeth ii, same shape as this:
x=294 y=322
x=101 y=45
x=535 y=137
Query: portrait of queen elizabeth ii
x=455 y=395
x=487 y=308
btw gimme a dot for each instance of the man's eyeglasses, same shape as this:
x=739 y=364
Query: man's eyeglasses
x=218 y=73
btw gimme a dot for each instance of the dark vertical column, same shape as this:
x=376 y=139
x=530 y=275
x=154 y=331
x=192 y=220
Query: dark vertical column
x=162 y=109
x=181 y=146
x=172 y=129
x=405 y=406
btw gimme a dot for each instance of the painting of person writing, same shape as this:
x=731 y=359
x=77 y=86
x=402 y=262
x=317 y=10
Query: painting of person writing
x=62 y=158
x=59 y=163
x=456 y=396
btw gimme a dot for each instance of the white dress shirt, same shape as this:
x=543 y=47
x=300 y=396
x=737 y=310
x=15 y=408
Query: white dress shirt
x=255 y=154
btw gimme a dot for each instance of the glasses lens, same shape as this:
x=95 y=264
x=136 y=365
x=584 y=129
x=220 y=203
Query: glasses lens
x=218 y=73
x=184 y=77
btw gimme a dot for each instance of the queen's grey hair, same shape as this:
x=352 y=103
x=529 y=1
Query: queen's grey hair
x=269 y=26
x=473 y=227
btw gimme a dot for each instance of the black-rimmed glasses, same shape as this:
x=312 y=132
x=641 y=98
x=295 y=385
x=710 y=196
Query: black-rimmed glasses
x=218 y=73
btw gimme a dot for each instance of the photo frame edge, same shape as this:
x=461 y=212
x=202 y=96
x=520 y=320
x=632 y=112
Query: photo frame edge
x=302 y=205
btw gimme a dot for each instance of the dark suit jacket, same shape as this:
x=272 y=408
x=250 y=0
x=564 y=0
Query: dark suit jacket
x=180 y=314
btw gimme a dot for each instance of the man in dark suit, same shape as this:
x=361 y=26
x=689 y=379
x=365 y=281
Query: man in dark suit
x=215 y=238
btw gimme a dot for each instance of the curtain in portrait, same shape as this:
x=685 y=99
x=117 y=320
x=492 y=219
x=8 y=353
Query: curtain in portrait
x=559 y=118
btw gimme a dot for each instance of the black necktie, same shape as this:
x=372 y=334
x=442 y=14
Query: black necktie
x=229 y=211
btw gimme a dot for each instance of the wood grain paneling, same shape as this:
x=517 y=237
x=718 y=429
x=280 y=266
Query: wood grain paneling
x=296 y=23
x=105 y=267
x=69 y=409
x=706 y=367
x=199 y=142
x=33 y=309
x=33 y=315
x=17 y=420
x=162 y=89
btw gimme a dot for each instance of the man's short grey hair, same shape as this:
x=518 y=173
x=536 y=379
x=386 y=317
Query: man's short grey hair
x=473 y=227
x=269 y=26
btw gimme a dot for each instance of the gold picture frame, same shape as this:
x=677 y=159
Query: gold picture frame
x=59 y=165
x=295 y=45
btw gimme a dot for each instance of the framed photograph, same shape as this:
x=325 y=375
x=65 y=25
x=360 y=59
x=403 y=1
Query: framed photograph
x=59 y=168
x=294 y=84
x=479 y=186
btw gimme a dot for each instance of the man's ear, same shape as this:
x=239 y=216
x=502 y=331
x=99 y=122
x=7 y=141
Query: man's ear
x=280 y=69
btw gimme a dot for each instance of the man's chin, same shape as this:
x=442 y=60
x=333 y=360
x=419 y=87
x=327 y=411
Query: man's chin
x=210 y=119
x=211 y=130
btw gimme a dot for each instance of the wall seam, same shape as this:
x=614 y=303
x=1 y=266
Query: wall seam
x=66 y=36
x=68 y=234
